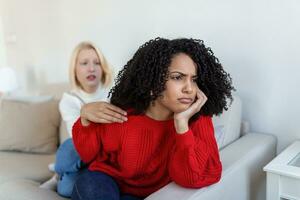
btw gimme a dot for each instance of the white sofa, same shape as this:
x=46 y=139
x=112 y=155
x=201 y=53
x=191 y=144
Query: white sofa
x=243 y=157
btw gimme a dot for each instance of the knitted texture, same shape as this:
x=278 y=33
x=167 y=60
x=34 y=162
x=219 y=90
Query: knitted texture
x=144 y=154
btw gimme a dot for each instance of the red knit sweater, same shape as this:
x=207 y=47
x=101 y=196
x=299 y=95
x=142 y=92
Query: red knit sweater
x=143 y=154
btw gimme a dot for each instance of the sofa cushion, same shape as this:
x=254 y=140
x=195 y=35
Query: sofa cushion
x=24 y=165
x=26 y=190
x=29 y=126
x=228 y=124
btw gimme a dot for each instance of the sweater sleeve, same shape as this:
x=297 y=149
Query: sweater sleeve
x=86 y=141
x=195 y=160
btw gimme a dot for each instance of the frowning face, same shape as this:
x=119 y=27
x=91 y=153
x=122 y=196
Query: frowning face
x=181 y=86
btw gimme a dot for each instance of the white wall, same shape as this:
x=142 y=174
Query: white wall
x=257 y=42
x=33 y=40
x=3 y=55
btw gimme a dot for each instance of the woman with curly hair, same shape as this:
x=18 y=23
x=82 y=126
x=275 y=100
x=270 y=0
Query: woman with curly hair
x=170 y=90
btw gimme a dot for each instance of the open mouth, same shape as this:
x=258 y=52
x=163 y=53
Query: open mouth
x=91 y=77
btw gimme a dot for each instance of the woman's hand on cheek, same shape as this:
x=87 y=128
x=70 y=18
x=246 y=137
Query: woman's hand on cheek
x=181 y=119
x=101 y=112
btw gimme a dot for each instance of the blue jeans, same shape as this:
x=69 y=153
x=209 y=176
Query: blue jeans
x=68 y=166
x=92 y=185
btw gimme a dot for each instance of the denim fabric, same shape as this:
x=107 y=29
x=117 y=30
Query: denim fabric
x=92 y=185
x=67 y=158
x=68 y=166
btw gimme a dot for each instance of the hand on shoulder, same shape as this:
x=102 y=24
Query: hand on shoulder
x=101 y=112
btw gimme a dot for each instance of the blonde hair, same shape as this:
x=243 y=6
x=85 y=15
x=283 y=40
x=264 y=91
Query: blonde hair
x=106 y=77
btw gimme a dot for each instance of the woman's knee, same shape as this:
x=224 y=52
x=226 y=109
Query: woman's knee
x=66 y=183
x=95 y=185
x=64 y=191
x=67 y=158
x=65 y=147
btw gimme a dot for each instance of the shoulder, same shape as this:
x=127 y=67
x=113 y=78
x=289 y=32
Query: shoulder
x=68 y=97
x=133 y=122
x=68 y=101
x=102 y=94
x=103 y=90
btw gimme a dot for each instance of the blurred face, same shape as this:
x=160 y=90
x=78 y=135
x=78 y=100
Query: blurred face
x=181 y=86
x=88 y=70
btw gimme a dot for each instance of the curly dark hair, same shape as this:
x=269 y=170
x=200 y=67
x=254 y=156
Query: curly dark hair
x=143 y=78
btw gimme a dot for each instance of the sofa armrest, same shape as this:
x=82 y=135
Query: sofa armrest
x=242 y=176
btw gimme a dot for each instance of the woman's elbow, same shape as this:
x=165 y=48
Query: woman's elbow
x=200 y=182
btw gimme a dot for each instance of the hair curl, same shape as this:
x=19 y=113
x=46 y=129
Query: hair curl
x=143 y=78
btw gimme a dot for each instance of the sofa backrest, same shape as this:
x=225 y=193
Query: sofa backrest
x=228 y=124
x=56 y=90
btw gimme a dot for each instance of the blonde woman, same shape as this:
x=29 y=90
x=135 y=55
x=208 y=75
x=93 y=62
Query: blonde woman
x=90 y=78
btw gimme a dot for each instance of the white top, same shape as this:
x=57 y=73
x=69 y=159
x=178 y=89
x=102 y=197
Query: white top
x=71 y=103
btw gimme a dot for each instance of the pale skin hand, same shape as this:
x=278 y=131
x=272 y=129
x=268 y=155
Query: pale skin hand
x=181 y=119
x=101 y=112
